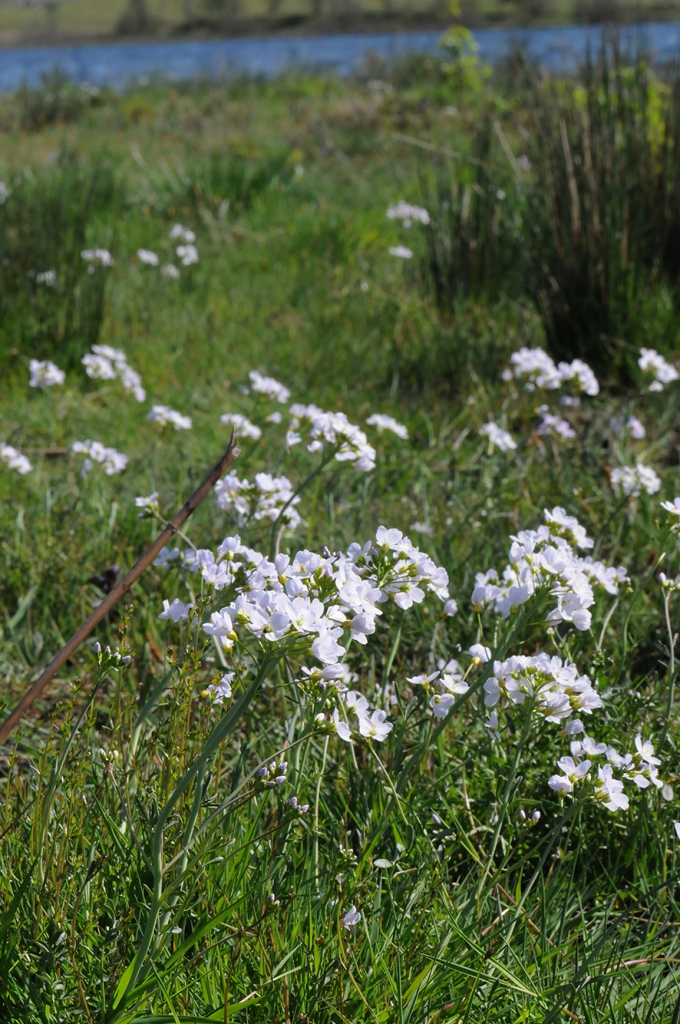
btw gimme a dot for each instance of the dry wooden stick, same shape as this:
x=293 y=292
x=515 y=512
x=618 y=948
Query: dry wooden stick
x=122 y=588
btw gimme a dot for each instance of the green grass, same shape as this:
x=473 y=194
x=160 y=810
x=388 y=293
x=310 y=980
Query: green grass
x=127 y=899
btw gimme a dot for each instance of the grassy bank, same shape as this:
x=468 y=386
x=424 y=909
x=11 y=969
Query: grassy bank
x=158 y=860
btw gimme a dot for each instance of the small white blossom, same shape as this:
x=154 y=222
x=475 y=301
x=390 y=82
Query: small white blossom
x=633 y=480
x=498 y=438
x=170 y=270
x=383 y=422
x=184 y=234
x=407 y=213
x=242 y=425
x=269 y=387
x=176 y=611
x=165 y=416
x=111 y=461
x=651 y=361
x=14 y=459
x=351 y=918
x=402 y=252
x=45 y=374
x=187 y=254
x=102 y=256
x=148 y=257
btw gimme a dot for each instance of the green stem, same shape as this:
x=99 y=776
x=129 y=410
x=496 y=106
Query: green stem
x=298 y=490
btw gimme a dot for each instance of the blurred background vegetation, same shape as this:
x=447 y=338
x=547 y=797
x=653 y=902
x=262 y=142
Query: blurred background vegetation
x=49 y=21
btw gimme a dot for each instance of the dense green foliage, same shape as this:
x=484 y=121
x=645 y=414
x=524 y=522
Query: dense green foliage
x=126 y=898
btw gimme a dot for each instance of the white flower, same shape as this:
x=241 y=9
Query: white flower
x=440 y=704
x=274 y=417
x=187 y=254
x=498 y=438
x=14 y=459
x=401 y=252
x=573 y=774
x=537 y=365
x=269 y=387
x=170 y=270
x=351 y=918
x=676 y=826
x=164 y=415
x=176 y=611
x=184 y=234
x=407 y=214
x=102 y=256
x=330 y=428
x=98 y=367
x=263 y=499
x=148 y=257
x=450 y=607
x=109 y=459
x=150 y=503
x=376 y=727
x=48 y=277
x=636 y=428
x=242 y=425
x=383 y=422
x=610 y=790
x=633 y=480
x=45 y=374
x=480 y=654
x=552 y=424
x=664 y=372
x=581 y=373
x=4 y=193
x=107 y=363
x=492 y=725
x=221 y=691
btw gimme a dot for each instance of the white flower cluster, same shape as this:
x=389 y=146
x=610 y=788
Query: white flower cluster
x=653 y=362
x=552 y=424
x=640 y=768
x=536 y=365
x=48 y=277
x=554 y=688
x=165 y=416
x=407 y=213
x=44 y=374
x=442 y=686
x=102 y=256
x=402 y=252
x=107 y=363
x=333 y=429
x=313 y=602
x=188 y=254
x=632 y=426
x=148 y=257
x=185 y=235
x=498 y=438
x=265 y=498
x=109 y=459
x=242 y=425
x=268 y=386
x=633 y=480
x=381 y=421
x=545 y=559
x=15 y=459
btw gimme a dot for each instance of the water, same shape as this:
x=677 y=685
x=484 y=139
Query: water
x=119 y=63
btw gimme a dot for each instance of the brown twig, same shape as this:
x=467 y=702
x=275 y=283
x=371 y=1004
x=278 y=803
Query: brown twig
x=102 y=610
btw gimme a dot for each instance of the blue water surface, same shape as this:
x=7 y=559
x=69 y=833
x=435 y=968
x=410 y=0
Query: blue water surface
x=118 y=64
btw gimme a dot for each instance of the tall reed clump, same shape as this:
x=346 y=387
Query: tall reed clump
x=51 y=299
x=473 y=232
x=602 y=198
